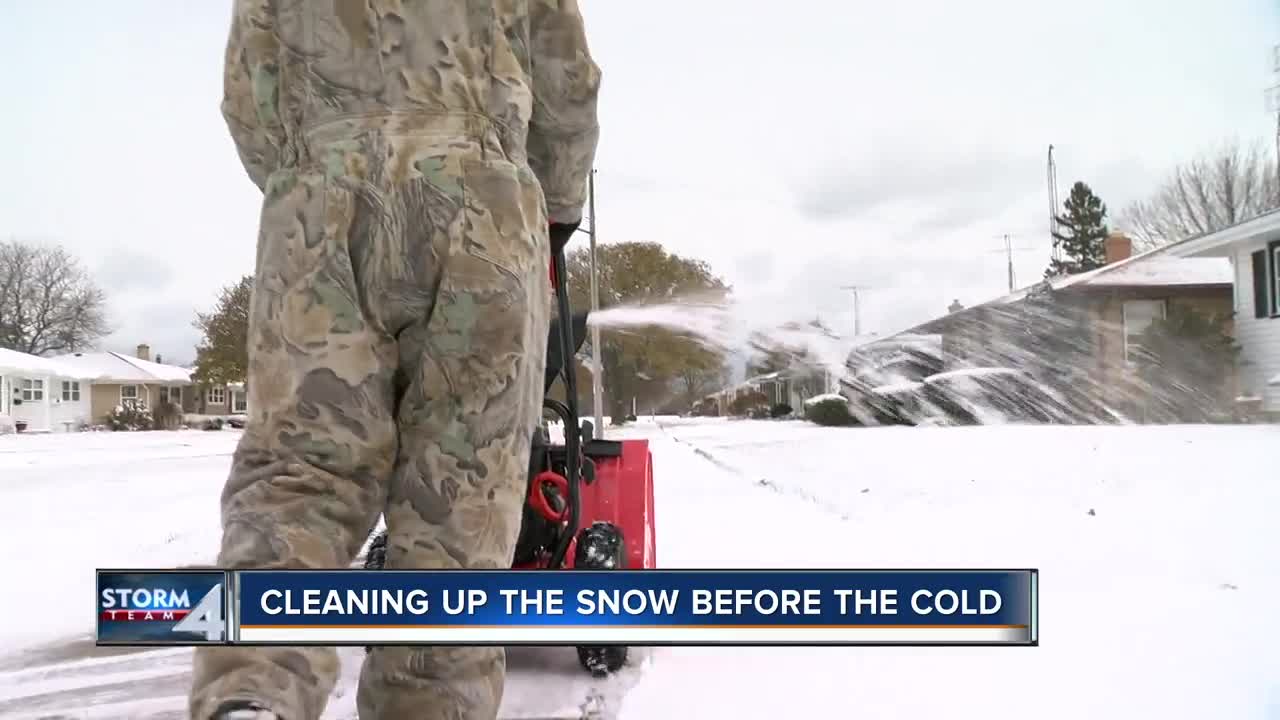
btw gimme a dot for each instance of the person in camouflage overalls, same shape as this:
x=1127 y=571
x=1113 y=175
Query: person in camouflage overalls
x=417 y=159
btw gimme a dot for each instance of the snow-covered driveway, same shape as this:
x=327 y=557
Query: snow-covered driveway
x=1172 y=529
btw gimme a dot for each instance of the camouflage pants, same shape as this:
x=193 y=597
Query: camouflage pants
x=397 y=341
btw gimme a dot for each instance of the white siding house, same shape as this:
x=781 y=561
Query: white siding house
x=120 y=380
x=42 y=394
x=1253 y=247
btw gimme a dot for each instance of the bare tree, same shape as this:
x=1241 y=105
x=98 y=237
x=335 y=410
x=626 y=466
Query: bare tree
x=48 y=302
x=1219 y=188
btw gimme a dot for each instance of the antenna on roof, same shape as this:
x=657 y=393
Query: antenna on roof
x=1052 y=173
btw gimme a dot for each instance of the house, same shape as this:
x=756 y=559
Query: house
x=42 y=395
x=1252 y=249
x=786 y=387
x=121 y=381
x=1085 y=329
x=218 y=400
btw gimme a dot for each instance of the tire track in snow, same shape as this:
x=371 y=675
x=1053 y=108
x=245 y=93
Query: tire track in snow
x=759 y=482
x=153 y=684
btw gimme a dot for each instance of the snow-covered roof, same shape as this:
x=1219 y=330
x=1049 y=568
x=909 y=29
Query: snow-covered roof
x=1148 y=269
x=825 y=397
x=1274 y=381
x=896 y=388
x=160 y=371
x=972 y=372
x=12 y=361
x=1154 y=268
x=1168 y=271
x=116 y=367
x=1266 y=225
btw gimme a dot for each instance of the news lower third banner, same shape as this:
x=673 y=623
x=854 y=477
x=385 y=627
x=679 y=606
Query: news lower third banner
x=568 y=607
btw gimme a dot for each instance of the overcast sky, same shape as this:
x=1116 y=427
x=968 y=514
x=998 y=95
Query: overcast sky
x=796 y=147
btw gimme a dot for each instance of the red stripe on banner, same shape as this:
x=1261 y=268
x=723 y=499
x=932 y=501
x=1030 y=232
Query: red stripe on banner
x=144 y=615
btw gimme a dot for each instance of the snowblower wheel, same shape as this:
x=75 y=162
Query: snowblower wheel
x=601 y=547
x=376 y=559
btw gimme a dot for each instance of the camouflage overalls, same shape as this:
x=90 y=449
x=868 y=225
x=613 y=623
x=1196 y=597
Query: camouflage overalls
x=411 y=154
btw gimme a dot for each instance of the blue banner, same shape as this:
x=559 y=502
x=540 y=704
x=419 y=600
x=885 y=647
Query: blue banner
x=637 y=607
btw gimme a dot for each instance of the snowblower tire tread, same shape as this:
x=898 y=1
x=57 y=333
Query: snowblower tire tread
x=601 y=547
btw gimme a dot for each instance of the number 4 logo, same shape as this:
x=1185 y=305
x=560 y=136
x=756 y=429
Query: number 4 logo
x=206 y=617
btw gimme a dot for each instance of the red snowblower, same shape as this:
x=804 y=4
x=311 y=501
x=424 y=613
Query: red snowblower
x=589 y=501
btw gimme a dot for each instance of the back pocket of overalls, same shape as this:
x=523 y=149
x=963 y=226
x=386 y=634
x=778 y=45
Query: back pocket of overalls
x=498 y=222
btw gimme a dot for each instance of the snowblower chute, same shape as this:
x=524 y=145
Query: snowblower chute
x=589 y=502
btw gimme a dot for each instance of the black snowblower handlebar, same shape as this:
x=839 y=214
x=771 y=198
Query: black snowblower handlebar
x=565 y=323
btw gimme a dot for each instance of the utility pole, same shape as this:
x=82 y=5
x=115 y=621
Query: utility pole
x=1008 y=251
x=597 y=399
x=857 y=312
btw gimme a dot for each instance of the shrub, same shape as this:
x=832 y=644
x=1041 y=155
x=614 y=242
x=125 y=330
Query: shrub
x=829 y=410
x=168 y=416
x=1186 y=363
x=780 y=410
x=130 y=418
x=704 y=408
x=749 y=404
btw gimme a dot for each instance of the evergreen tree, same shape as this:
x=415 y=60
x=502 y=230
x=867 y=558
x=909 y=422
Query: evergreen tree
x=223 y=354
x=1081 y=241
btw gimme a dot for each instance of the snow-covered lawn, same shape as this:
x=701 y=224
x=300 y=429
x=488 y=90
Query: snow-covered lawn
x=71 y=503
x=1159 y=550
x=1161 y=602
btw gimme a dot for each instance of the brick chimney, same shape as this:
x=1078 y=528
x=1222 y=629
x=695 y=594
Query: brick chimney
x=1117 y=247
x=144 y=352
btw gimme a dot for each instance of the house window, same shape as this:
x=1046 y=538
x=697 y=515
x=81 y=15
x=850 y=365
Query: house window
x=1138 y=316
x=70 y=391
x=130 y=396
x=1258 y=266
x=217 y=395
x=32 y=390
x=1235 y=283
x=239 y=401
x=171 y=395
x=1273 y=251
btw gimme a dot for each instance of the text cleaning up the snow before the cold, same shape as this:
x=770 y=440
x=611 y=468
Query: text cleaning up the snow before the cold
x=642 y=607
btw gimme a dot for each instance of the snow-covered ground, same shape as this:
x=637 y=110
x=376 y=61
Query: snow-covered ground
x=1172 y=529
